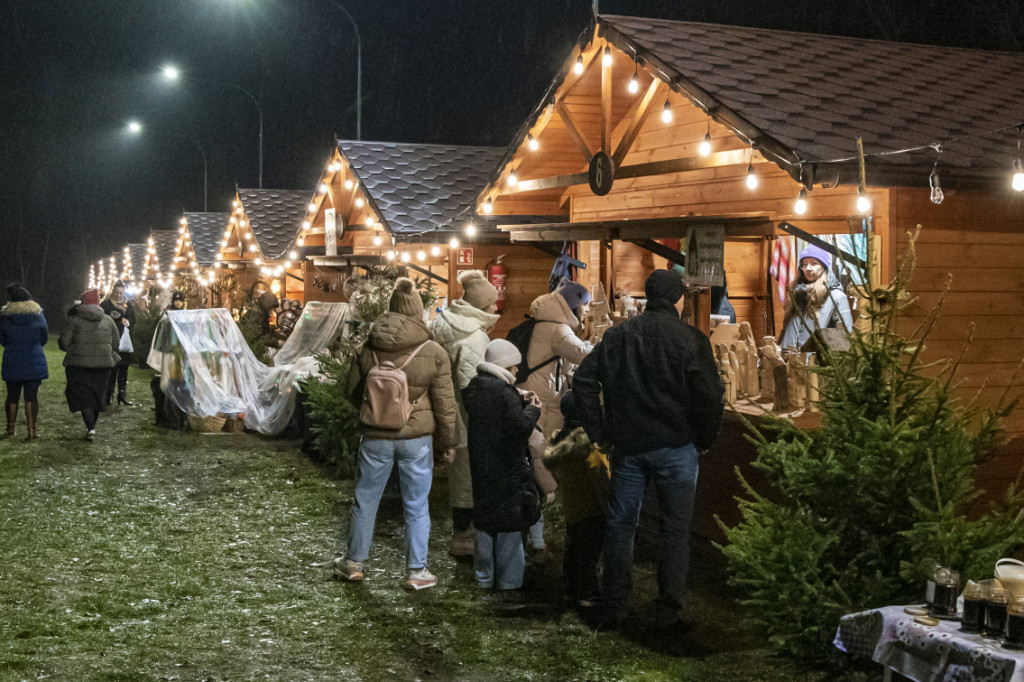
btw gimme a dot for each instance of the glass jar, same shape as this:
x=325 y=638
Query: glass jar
x=1015 y=623
x=947 y=588
x=995 y=611
x=973 y=619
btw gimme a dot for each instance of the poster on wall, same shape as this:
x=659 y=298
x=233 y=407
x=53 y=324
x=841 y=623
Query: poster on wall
x=705 y=255
x=330 y=232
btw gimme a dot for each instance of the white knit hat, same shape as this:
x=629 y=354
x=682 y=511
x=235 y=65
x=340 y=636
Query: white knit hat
x=503 y=354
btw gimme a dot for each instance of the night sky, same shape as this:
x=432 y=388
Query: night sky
x=76 y=186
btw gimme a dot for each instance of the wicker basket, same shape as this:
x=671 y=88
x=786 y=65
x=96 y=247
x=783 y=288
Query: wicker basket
x=234 y=425
x=206 y=424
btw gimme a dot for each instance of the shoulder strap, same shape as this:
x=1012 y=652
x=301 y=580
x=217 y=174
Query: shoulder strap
x=413 y=354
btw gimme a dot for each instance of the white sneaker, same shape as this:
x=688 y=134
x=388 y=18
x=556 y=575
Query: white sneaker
x=90 y=435
x=420 y=580
x=346 y=569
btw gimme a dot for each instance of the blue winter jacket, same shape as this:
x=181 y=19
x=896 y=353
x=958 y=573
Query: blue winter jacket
x=23 y=334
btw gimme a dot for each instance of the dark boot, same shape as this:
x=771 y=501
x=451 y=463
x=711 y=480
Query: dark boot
x=31 y=415
x=122 y=400
x=12 y=416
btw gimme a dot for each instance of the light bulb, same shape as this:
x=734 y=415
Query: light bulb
x=751 y=178
x=252 y=247
x=348 y=184
x=224 y=243
x=634 y=84
x=369 y=221
x=359 y=202
x=312 y=206
x=421 y=255
x=705 y=145
x=377 y=240
x=287 y=264
x=454 y=243
x=405 y=256
x=1018 y=175
x=470 y=229
x=606 y=60
x=801 y=202
x=435 y=250
x=323 y=188
x=306 y=224
x=578 y=68
x=666 y=113
x=532 y=143
x=258 y=261
x=390 y=255
x=512 y=179
x=300 y=241
x=488 y=206
x=293 y=255
x=936 y=195
x=863 y=203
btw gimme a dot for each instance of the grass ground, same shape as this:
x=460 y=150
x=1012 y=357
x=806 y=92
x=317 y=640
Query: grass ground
x=157 y=555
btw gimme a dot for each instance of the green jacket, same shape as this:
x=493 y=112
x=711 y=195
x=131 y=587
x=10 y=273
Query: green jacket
x=90 y=338
x=428 y=375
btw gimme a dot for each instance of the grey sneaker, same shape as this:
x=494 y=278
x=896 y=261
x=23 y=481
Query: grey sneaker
x=420 y=580
x=90 y=435
x=346 y=569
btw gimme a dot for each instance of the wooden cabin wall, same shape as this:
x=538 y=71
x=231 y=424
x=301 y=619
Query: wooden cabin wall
x=528 y=272
x=978 y=238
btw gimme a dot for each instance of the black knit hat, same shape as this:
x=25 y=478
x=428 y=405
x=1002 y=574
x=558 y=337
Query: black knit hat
x=665 y=285
x=177 y=296
x=17 y=293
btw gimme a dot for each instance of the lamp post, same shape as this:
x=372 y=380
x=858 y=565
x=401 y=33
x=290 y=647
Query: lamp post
x=171 y=73
x=359 y=70
x=135 y=128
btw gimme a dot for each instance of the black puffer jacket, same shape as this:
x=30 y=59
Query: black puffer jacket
x=499 y=458
x=660 y=384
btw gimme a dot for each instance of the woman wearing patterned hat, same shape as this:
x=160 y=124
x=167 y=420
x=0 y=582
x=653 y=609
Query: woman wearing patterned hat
x=816 y=300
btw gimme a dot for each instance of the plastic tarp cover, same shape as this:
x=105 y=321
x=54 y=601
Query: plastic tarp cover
x=206 y=367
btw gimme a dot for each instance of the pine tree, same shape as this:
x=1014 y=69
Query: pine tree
x=861 y=508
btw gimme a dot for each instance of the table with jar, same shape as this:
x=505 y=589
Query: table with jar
x=976 y=635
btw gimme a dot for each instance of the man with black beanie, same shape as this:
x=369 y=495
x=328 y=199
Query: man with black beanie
x=662 y=404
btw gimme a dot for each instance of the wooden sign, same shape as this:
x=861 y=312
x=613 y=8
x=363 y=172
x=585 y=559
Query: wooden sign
x=330 y=232
x=464 y=256
x=601 y=174
x=705 y=255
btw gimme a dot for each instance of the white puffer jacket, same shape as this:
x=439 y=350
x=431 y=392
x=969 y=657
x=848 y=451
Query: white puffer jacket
x=554 y=335
x=462 y=331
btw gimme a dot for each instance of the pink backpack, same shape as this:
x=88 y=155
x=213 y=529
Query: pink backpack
x=386 y=399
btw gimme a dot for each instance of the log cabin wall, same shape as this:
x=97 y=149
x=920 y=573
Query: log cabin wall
x=978 y=238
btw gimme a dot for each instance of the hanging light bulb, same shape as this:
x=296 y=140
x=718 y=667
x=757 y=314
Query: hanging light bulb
x=1018 y=175
x=369 y=221
x=705 y=146
x=348 y=184
x=532 y=143
x=258 y=261
x=470 y=230
x=512 y=179
x=606 y=60
x=937 y=195
x=312 y=206
x=377 y=240
x=666 y=113
x=306 y=224
x=300 y=241
x=454 y=243
x=863 y=203
x=359 y=202
x=578 y=68
x=801 y=202
x=634 y=82
x=488 y=206
x=751 y=178
x=390 y=255
x=405 y=256
x=421 y=255
x=435 y=250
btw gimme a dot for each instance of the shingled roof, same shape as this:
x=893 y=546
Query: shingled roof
x=806 y=98
x=137 y=253
x=275 y=215
x=205 y=230
x=416 y=188
x=165 y=243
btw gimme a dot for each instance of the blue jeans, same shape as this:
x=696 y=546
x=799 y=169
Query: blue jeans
x=535 y=533
x=674 y=474
x=499 y=560
x=415 y=473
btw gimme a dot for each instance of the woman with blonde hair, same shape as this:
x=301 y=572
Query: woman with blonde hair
x=816 y=300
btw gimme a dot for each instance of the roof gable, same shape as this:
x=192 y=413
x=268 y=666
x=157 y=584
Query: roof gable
x=205 y=230
x=275 y=216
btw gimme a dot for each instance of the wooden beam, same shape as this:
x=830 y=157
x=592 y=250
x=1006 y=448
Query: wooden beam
x=573 y=131
x=659 y=250
x=427 y=272
x=652 y=228
x=606 y=104
x=639 y=118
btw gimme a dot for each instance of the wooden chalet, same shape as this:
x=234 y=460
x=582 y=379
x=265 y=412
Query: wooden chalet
x=257 y=246
x=412 y=204
x=615 y=147
x=134 y=259
x=158 y=267
x=199 y=236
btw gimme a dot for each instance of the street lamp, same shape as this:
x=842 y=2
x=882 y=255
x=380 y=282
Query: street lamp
x=359 y=71
x=135 y=128
x=171 y=73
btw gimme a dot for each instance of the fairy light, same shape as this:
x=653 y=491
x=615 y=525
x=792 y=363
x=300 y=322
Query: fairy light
x=470 y=230
x=349 y=184
x=532 y=143
x=863 y=203
x=359 y=202
x=323 y=188
x=634 y=81
x=369 y=221
x=301 y=240
x=578 y=68
x=801 y=202
x=252 y=247
x=312 y=206
x=751 y=177
x=435 y=250
x=1018 y=175
x=606 y=60
x=421 y=255
x=390 y=255
x=666 y=113
x=454 y=243
x=513 y=179
x=293 y=255
x=377 y=240
x=704 y=149
x=488 y=205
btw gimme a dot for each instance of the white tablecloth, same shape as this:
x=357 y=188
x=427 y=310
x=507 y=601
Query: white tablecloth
x=927 y=653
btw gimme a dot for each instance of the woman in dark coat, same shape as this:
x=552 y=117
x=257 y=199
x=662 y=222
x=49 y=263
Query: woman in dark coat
x=22 y=334
x=500 y=421
x=90 y=339
x=122 y=312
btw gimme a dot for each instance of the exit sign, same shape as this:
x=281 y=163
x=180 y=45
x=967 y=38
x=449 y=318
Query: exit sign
x=464 y=256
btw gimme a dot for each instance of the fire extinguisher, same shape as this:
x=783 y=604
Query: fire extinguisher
x=497 y=273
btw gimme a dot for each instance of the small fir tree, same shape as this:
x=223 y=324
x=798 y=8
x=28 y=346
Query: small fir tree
x=862 y=507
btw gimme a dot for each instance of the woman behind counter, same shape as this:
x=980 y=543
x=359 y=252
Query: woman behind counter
x=816 y=300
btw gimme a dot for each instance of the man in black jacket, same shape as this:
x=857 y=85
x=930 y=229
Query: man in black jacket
x=662 y=403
